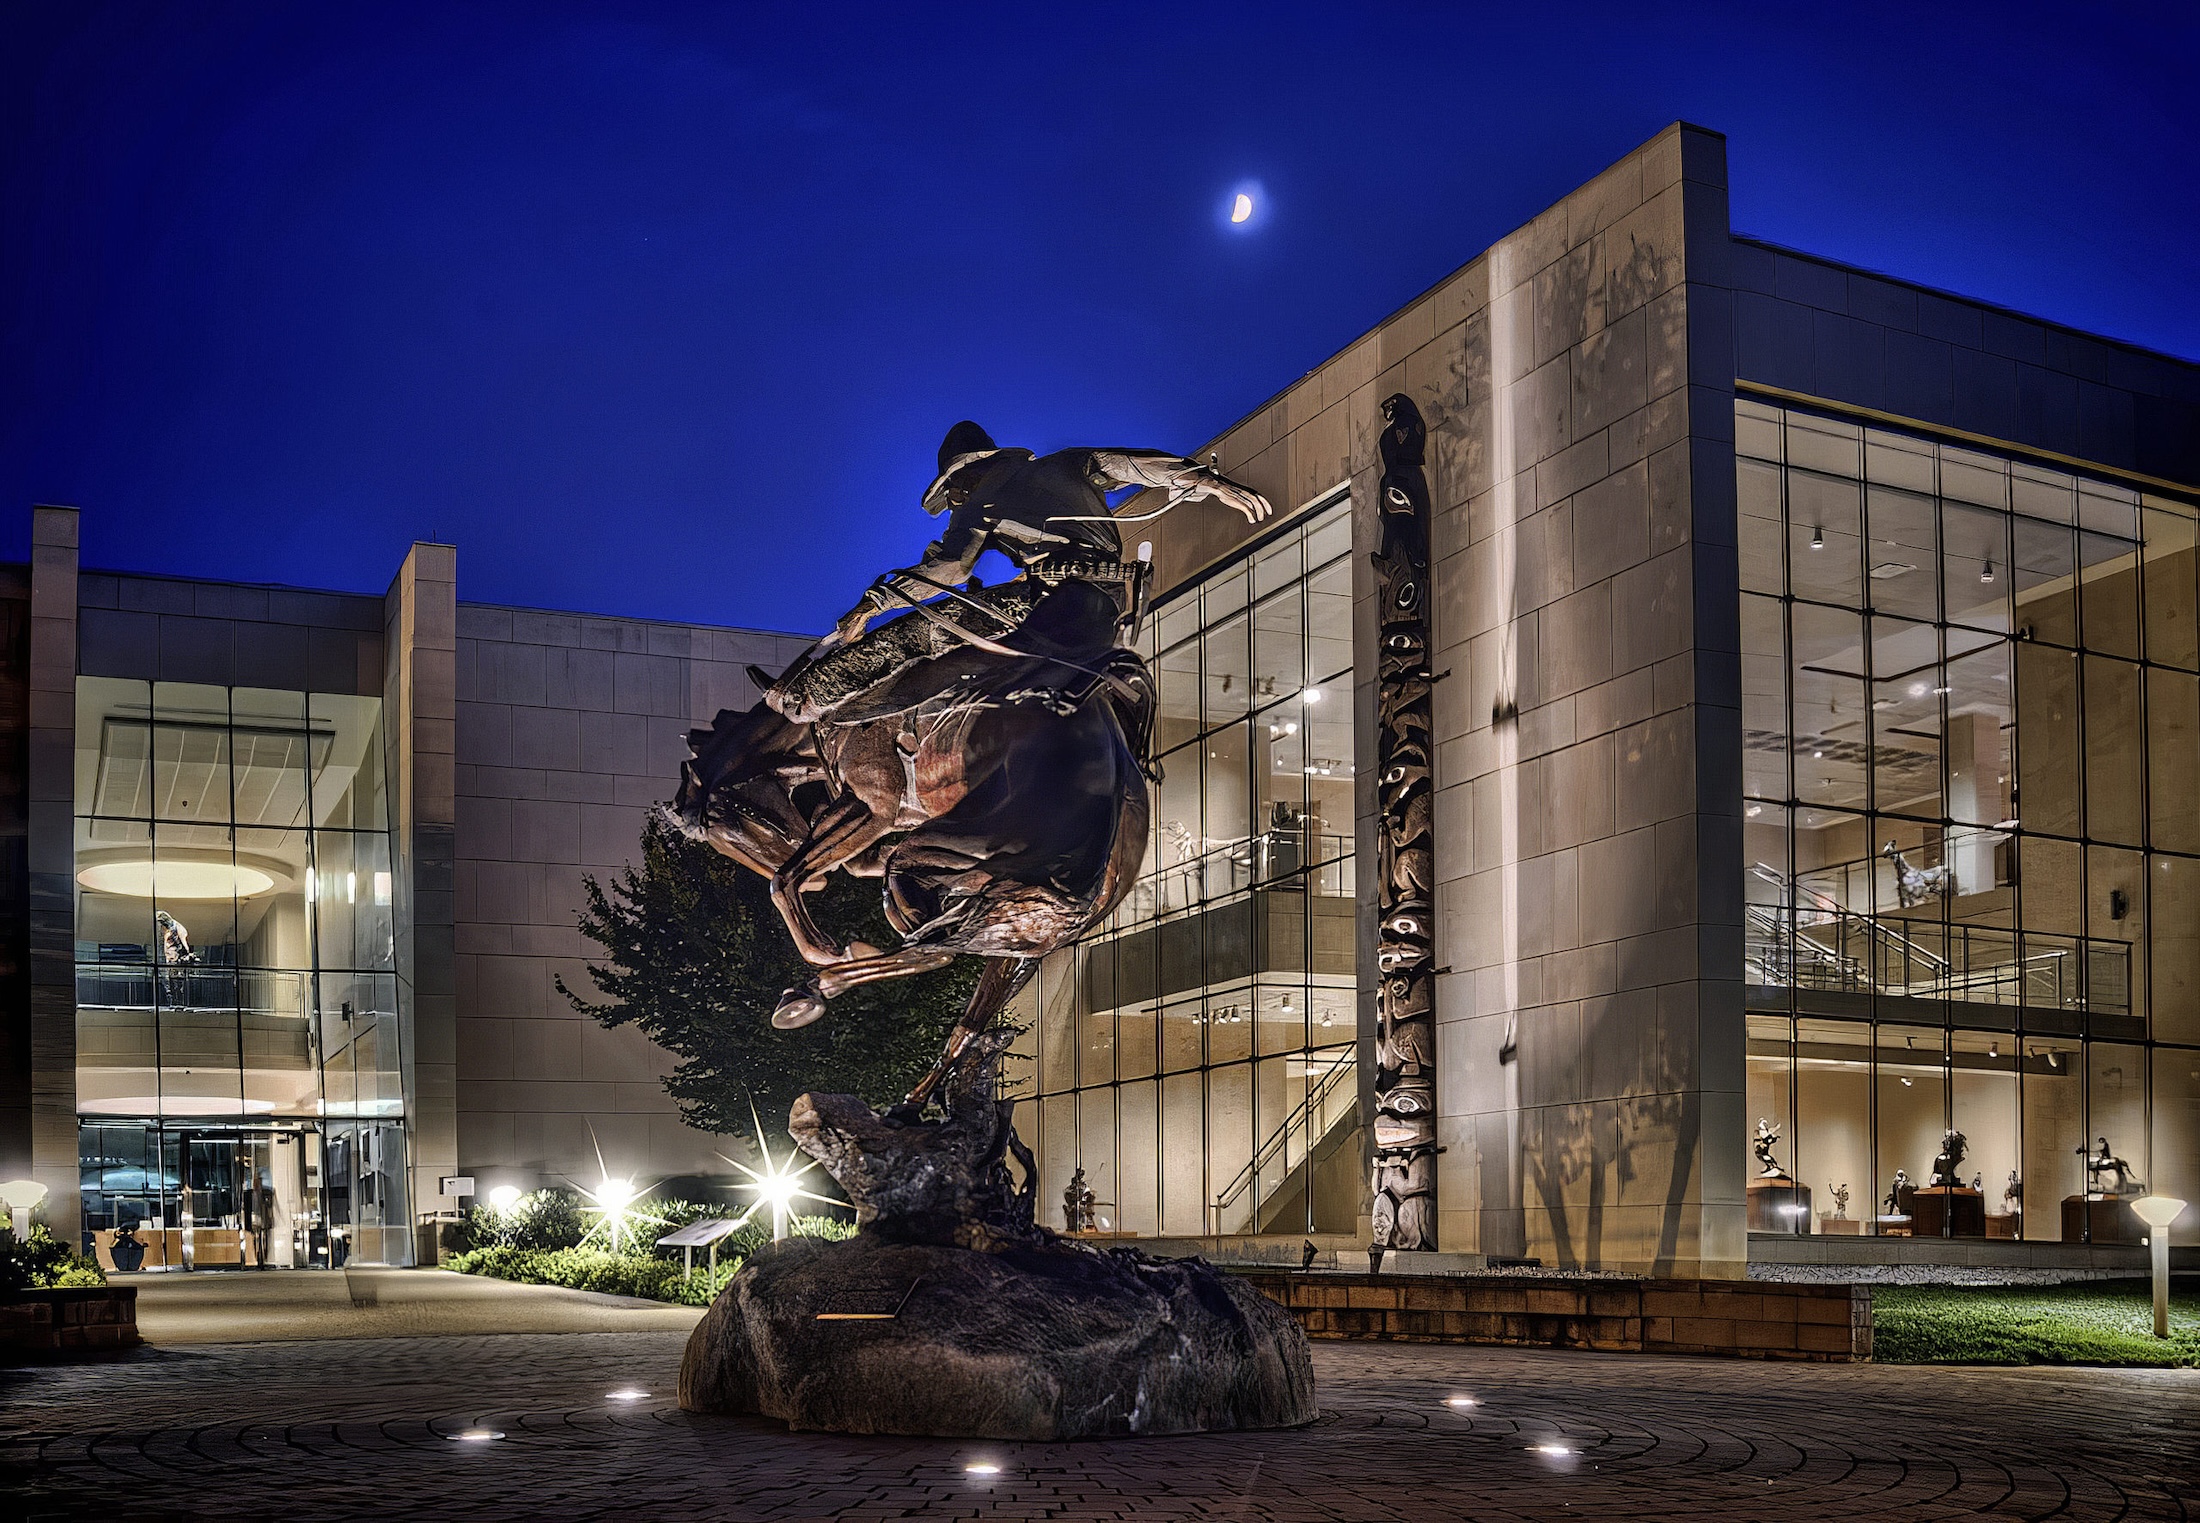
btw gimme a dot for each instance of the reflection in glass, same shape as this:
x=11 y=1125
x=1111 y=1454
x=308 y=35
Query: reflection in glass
x=1237 y=942
x=1980 y=888
x=212 y=919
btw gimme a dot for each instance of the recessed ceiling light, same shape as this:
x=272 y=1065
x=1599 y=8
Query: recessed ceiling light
x=183 y=879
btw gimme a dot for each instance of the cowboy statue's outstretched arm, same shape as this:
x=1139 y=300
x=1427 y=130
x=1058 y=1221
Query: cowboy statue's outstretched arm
x=1184 y=480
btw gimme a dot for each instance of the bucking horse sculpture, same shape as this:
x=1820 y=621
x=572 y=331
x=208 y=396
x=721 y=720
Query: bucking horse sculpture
x=985 y=754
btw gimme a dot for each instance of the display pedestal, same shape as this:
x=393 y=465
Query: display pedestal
x=1892 y=1226
x=1779 y=1205
x=2004 y=1226
x=1939 y=1211
x=2110 y=1218
x=1841 y=1226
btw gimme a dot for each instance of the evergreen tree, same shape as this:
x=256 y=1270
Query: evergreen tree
x=695 y=955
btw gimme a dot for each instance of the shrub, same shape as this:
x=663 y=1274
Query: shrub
x=613 y=1274
x=45 y=1263
x=635 y=1274
x=544 y=1220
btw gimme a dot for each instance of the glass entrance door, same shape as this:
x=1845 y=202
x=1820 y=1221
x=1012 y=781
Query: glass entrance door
x=204 y=1195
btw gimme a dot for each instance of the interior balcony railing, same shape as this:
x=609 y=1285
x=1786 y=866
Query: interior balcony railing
x=1207 y=870
x=150 y=986
x=1330 y=1101
x=1810 y=946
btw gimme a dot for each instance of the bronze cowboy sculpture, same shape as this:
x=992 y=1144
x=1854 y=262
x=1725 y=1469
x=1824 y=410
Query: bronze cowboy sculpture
x=984 y=754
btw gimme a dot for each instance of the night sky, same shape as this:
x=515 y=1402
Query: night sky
x=661 y=309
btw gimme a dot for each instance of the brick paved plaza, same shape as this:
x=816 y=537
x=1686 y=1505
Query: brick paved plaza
x=362 y=1428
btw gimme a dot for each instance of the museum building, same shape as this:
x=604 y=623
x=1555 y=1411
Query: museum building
x=291 y=878
x=1816 y=744
x=1815 y=684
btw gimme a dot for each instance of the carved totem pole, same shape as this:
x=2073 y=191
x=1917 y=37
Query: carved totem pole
x=1405 y=955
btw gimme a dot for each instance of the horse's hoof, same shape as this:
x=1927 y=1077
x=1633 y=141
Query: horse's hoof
x=797 y=1008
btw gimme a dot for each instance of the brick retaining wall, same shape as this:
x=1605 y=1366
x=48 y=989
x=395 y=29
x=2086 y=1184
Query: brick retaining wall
x=84 y=1320
x=1743 y=1319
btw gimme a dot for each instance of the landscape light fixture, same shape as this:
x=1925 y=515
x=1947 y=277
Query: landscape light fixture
x=1461 y=1401
x=982 y=1467
x=21 y=1195
x=613 y=1202
x=504 y=1197
x=629 y=1393
x=1817 y=538
x=1311 y=695
x=1986 y=572
x=776 y=1184
x=476 y=1436
x=2158 y=1211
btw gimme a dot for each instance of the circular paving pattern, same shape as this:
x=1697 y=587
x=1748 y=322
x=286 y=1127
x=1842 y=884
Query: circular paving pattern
x=528 y=1427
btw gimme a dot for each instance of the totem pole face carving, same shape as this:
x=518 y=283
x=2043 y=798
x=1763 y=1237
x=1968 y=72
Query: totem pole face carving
x=1404 y=1213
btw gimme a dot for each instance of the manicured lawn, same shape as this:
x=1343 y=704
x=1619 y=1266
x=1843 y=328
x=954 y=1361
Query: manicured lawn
x=2105 y=1322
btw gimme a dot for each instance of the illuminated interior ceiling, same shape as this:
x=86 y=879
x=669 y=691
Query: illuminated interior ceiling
x=194 y=771
x=175 y=1105
x=138 y=878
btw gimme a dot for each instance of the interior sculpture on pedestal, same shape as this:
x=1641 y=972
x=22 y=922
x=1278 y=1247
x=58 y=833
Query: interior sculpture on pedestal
x=986 y=756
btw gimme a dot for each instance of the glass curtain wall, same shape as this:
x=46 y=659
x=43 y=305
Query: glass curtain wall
x=238 y=1058
x=1971 y=743
x=1194 y=1055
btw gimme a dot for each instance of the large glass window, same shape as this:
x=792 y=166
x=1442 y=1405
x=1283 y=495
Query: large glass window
x=1229 y=971
x=1971 y=761
x=239 y=1056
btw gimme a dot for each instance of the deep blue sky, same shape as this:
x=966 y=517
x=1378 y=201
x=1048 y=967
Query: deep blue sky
x=662 y=309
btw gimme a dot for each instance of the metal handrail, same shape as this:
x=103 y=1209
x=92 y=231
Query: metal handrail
x=1828 y=905
x=1280 y=1138
x=167 y=986
x=1271 y=857
x=1785 y=951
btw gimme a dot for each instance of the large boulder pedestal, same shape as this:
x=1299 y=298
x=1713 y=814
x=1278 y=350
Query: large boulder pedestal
x=952 y=1314
x=1051 y=1341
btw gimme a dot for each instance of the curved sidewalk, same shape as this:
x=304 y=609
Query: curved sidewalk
x=291 y=1305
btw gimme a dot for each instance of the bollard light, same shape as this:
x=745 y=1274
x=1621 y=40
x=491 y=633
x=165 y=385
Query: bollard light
x=21 y=1196
x=2158 y=1211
